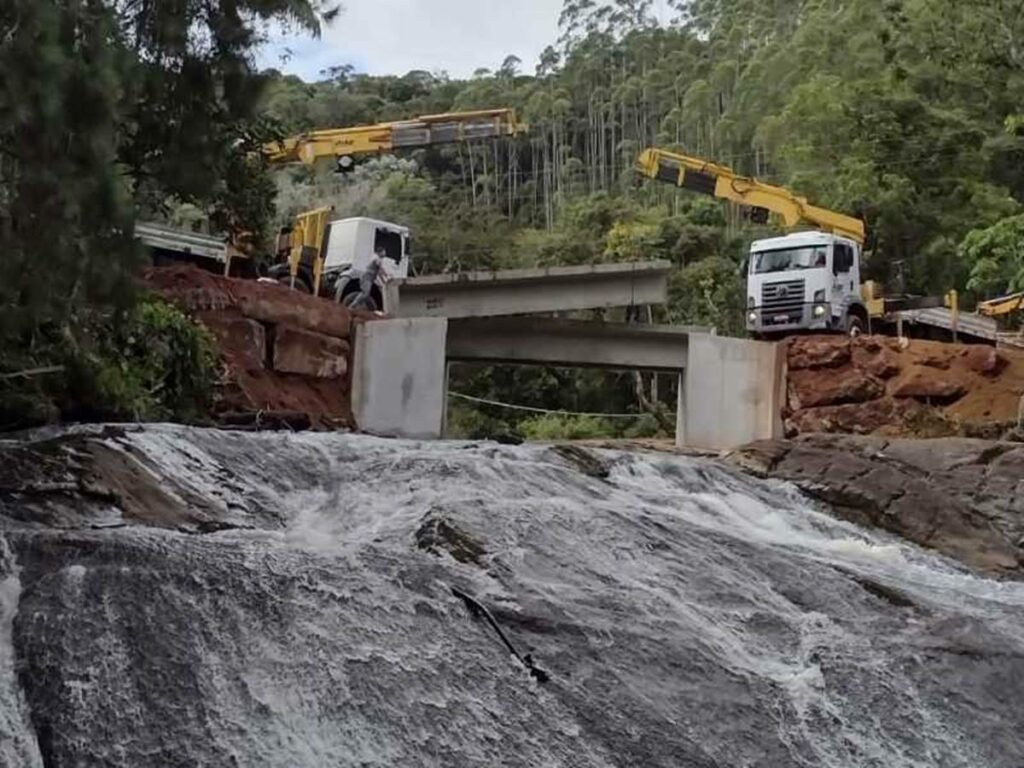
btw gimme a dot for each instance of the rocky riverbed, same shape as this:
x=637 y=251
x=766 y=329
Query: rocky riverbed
x=961 y=497
x=179 y=597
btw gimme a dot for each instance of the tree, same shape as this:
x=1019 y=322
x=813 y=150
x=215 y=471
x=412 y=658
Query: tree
x=996 y=257
x=66 y=234
x=107 y=106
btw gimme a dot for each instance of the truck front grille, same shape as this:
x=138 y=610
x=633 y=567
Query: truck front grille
x=783 y=302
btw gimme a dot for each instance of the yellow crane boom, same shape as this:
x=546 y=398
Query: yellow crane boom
x=1004 y=305
x=709 y=178
x=345 y=144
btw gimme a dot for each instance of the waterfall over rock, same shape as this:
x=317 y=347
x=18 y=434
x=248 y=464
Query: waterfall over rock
x=172 y=596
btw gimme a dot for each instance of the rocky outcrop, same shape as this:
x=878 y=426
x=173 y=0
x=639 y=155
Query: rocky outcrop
x=813 y=389
x=929 y=388
x=961 y=497
x=381 y=609
x=307 y=353
x=880 y=385
x=284 y=352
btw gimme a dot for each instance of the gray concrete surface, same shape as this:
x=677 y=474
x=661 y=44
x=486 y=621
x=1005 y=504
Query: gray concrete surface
x=571 y=343
x=399 y=377
x=734 y=392
x=731 y=391
x=967 y=323
x=529 y=291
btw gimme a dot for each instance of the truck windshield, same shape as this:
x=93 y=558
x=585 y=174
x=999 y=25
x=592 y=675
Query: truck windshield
x=786 y=259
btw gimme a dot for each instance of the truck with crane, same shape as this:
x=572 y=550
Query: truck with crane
x=801 y=281
x=326 y=256
x=318 y=253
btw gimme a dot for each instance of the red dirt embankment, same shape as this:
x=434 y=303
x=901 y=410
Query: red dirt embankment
x=282 y=351
x=879 y=385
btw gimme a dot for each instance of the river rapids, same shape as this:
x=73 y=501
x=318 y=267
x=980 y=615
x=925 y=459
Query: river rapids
x=683 y=614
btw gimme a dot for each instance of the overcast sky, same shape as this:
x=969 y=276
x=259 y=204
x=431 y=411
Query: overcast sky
x=392 y=37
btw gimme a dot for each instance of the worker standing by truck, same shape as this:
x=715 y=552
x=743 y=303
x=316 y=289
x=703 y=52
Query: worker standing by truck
x=363 y=298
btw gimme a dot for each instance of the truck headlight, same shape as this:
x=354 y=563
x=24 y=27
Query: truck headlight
x=752 y=317
x=819 y=310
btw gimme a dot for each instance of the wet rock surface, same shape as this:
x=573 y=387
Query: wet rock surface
x=685 y=613
x=964 y=498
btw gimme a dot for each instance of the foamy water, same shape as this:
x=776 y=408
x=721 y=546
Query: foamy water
x=687 y=616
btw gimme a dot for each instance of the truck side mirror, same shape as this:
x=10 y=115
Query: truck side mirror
x=745 y=266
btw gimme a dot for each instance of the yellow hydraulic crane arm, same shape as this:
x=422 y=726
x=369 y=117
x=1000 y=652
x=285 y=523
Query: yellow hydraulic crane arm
x=1004 y=305
x=709 y=178
x=345 y=144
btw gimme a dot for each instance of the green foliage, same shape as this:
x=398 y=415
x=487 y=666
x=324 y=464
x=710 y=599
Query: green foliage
x=169 y=360
x=996 y=257
x=108 y=108
x=64 y=214
x=152 y=363
x=709 y=293
x=555 y=426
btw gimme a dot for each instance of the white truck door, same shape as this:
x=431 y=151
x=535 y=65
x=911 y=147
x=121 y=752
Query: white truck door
x=845 y=282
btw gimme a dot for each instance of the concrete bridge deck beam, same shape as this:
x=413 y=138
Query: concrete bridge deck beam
x=529 y=291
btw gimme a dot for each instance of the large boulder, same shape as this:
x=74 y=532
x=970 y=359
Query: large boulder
x=852 y=418
x=309 y=354
x=985 y=360
x=243 y=342
x=929 y=386
x=279 y=305
x=875 y=358
x=818 y=352
x=814 y=388
x=954 y=495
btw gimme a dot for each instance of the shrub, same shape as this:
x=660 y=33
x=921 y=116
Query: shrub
x=557 y=426
x=153 y=363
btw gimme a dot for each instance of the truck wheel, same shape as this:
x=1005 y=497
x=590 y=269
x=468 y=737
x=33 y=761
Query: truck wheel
x=300 y=283
x=854 y=326
x=355 y=298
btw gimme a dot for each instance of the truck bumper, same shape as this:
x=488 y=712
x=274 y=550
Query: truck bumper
x=816 y=316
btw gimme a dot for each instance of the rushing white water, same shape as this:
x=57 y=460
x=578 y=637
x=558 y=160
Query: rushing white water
x=686 y=615
x=17 y=740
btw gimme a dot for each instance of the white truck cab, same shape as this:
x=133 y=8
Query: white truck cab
x=351 y=244
x=804 y=281
x=348 y=248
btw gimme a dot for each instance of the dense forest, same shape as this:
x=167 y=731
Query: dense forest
x=109 y=108
x=904 y=112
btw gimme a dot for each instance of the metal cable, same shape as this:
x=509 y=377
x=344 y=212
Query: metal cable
x=530 y=409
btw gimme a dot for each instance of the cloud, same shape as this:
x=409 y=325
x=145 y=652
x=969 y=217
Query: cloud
x=392 y=37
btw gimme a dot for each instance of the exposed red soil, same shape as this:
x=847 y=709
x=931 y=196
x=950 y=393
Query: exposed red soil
x=882 y=385
x=252 y=322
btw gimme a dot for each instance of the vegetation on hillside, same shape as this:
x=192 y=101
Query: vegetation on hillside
x=109 y=109
x=904 y=113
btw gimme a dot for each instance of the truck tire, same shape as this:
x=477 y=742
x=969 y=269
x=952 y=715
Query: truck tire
x=368 y=303
x=854 y=326
x=300 y=283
